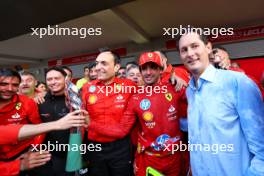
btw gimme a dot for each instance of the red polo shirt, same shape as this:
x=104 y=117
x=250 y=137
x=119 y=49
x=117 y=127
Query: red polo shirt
x=106 y=108
x=21 y=110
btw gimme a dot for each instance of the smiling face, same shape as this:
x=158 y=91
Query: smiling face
x=105 y=66
x=151 y=73
x=55 y=82
x=134 y=75
x=27 y=85
x=194 y=53
x=8 y=87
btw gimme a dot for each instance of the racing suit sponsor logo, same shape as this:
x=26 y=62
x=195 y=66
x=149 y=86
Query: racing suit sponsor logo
x=92 y=99
x=148 y=116
x=92 y=88
x=145 y=104
x=120 y=98
x=171 y=113
x=18 y=105
x=168 y=96
x=171 y=109
x=15 y=116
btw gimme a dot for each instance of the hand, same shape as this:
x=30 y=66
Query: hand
x=76 y=118
x=225 y=63
x=31 y=160
x=178 y=82
x=39 y=99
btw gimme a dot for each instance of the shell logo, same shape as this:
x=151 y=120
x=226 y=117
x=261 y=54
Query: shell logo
x=148 y=116
x=92 y=99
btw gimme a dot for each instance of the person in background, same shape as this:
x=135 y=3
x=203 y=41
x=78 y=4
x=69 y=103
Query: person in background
x=68 y=72
x=92 y=72
x=41 y=87
x=134 y=74
x=219 y=57
x=28 y=84
x=121 y=73
x=85 y=78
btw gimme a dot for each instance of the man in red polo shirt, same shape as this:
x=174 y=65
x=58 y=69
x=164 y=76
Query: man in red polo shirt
x=10 y=134
x=106 y=103
x=15 y=109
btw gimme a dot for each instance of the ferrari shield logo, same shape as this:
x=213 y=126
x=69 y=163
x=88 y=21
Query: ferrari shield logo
x=168 y=96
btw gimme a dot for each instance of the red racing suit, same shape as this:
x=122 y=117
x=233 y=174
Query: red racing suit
x=158 y=116
x=21 y=110
x=106 y=108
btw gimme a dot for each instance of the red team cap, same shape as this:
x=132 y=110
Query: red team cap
x=150 y=57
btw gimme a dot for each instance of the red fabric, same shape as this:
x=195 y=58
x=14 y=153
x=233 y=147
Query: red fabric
x=169 y=165
x=179 y=71
x=182 y=73
x=9 y=133
x=252 y=66
x=10 y=168
x=157 y=121
x=21 y=110
x=106 y=110
x=152 y=120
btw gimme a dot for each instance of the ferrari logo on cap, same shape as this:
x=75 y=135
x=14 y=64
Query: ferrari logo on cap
x=168 y=96
x=150 y=55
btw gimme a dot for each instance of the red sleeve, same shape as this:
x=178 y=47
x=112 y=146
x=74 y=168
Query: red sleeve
x=33 y=113
x=118 y=130
x=182 y=73
x=9 y=133
x=9 y=168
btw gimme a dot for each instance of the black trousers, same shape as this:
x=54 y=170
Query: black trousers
x=113 y=160
x=55 y=167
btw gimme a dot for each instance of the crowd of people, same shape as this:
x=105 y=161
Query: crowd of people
x=206 y=118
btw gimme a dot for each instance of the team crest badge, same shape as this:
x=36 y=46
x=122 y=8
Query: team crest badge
x=18 y=106
x=168 y=96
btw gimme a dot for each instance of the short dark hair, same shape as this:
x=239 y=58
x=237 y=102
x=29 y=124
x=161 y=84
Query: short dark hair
x=91 y=65
x=116 y=56
x=66 y=68
x=7 y=72
x=122 y=68
x=25 y=73
x=58 y=69
x=85 y=67
x=40 y=82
